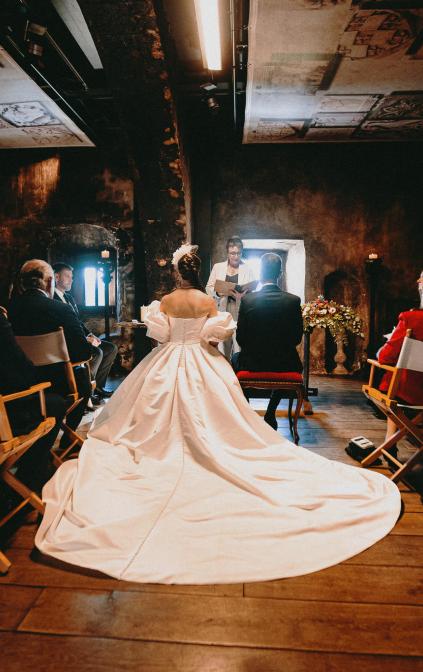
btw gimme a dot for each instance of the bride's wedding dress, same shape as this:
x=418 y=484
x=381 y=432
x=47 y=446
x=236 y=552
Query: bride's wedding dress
x=180 y=481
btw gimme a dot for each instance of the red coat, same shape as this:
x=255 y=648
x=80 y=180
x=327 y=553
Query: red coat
x=410 y=388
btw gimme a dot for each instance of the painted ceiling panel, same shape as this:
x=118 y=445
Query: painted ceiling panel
x=28 y=117
x=328 y=70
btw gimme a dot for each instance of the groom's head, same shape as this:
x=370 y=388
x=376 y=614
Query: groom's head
x=270 y=267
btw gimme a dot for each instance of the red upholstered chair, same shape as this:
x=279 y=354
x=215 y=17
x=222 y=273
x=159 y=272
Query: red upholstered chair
x=273 y=380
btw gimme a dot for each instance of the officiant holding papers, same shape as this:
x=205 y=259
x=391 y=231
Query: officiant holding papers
x=229 y=281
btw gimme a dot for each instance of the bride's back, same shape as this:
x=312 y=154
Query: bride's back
x=188 y=303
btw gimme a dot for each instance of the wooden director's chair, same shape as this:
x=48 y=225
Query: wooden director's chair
x=51 y=348
x=291 y=382
x=411 y=358
x=12 y=447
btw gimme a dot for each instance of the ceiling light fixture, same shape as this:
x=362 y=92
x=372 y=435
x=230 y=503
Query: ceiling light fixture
x=207 y=12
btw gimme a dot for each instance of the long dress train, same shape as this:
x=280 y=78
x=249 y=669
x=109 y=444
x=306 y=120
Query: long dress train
x=180 y=481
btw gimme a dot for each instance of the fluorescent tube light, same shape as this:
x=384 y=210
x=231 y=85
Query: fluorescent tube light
x=207 y=12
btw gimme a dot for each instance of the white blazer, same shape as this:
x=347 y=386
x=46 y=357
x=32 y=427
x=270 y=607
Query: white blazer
x=218 y=272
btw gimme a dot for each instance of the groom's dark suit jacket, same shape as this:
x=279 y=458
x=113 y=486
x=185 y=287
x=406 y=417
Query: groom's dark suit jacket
x=270 y=326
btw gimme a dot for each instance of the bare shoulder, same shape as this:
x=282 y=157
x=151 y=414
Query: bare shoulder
x=165 y=302
x=211 y=306
x=210 y=301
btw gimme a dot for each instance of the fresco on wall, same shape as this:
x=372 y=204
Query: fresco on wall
x=273 y=130
x=348 y=65
x=398 y=130
x=338 y=118
x=28 y=117
x=53 y=136
x=29 y=113
x=399 y=107
x=353 y=103
x=327 y=133
x=378 y=33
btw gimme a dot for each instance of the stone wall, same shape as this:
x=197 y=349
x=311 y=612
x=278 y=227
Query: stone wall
x=343 y=201
x=58 y=204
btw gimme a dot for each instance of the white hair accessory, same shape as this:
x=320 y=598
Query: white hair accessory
x=186 y=248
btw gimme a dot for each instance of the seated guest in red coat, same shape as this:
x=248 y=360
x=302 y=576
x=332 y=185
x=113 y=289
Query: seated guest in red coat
x=410 y=388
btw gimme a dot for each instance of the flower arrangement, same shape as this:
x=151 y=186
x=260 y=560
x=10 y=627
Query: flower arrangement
x=333 y=316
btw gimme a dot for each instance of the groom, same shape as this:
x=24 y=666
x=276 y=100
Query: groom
x=270 y=326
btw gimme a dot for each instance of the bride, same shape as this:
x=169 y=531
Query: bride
x=180 y=481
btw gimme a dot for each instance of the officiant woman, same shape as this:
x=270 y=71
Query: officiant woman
x=233 y=269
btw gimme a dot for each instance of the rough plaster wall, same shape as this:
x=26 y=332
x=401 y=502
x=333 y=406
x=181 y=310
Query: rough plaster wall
x=343 y=201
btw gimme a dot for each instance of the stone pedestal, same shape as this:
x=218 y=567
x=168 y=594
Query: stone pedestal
x=340 y=358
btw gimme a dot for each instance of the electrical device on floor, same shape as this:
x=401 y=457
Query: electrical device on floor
x=359 y=447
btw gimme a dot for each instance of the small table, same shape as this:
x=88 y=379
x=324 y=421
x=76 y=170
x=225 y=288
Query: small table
x=131 y=325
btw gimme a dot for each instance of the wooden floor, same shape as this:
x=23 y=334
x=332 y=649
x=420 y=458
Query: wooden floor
x=363 y=615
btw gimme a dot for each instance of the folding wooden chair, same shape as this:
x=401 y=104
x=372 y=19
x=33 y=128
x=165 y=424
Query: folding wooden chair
x=51 y=348
x=291 y=382
x=410 y=358
x=12 y=447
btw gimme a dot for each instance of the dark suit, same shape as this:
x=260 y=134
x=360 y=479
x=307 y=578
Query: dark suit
x=269 y=328
x=18 y=373
x=103 y=355
x=33 y=313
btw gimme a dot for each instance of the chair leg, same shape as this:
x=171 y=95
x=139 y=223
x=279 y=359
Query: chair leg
x=411 y=426
x=291 y=427
x=4 y=564
x=383 y=448
x=23 y=491
x=405 y=468
x=13 y=512
x=76 y=440
x=300 y=397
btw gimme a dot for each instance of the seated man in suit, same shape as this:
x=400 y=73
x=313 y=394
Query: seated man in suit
x=18 y=373
x=270 y=326
x=104 y=352
x=35 y=312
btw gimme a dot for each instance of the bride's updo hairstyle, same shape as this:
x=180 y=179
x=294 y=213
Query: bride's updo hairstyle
x=189 y=269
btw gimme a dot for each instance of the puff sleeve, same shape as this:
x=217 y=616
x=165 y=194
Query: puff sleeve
x=218 y=328
x=157 y=323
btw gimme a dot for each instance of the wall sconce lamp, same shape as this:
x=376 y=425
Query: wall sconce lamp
x=106 y=267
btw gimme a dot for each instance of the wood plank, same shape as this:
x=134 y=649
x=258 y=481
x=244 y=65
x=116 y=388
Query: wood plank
x=26 y=572
x=409 y=524
x=15 y=601
x=230 y=621
x=26 y=652
x=353 y=583
x=23 y=537
x=394 y=551
x=412 y=502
